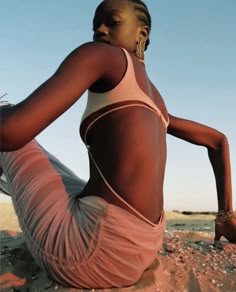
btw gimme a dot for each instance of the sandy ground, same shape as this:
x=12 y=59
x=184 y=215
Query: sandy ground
x=187 y=262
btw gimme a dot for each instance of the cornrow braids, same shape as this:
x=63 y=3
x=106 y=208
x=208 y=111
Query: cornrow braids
x=144 y=15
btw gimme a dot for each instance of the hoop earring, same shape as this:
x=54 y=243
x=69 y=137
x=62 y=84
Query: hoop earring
x=140 y=48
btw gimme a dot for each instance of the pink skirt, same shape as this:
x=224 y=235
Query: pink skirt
x=80 y=242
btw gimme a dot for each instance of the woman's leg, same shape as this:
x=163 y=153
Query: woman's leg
x=72 y=183
x=45 y=195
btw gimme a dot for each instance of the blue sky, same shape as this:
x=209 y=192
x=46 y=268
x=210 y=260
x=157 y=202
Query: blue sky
x=191 y=60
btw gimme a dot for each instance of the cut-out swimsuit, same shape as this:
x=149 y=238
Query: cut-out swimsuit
x=127 y=90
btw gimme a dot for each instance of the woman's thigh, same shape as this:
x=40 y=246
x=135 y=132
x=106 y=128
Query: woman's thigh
x=43 y=190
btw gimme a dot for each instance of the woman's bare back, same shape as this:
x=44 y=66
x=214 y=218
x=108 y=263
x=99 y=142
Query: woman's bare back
x=130 y=149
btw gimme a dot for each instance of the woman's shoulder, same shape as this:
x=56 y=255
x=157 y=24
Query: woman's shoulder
x=99 y=55
x=102 y=57
x=99 y=50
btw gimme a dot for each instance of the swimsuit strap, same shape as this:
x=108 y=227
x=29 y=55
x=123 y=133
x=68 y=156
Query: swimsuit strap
x=118 y=196
x=117 y=108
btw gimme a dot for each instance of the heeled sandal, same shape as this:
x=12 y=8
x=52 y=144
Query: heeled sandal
x=221 y=217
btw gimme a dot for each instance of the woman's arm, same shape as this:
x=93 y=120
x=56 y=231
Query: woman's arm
x=218 y=152
x=84 y=66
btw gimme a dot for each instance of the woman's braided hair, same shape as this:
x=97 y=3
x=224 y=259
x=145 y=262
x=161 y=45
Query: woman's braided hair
x=143 y=15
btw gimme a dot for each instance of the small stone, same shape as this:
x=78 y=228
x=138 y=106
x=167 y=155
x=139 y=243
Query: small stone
x=213 y=281
x=34 y=277
x=220 y=285
x=170 y=248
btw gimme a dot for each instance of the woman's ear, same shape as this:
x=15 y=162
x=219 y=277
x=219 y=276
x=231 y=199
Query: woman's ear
x=144 y=32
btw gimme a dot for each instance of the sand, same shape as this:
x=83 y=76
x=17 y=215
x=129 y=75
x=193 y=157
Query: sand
x=188 y=260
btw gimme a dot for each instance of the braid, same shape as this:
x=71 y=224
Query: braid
x=143 y=16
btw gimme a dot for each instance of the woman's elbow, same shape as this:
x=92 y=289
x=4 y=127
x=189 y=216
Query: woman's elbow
x=9 y=141
x=220 y=142
x=6 y=146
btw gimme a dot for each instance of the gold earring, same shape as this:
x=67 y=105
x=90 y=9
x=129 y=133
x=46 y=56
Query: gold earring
x=140 y=48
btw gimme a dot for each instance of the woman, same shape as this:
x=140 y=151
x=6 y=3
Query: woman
x=106 y=232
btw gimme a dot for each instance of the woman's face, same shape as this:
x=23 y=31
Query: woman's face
x=115 y=23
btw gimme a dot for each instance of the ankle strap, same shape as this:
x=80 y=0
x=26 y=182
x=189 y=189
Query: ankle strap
x=224 y=215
